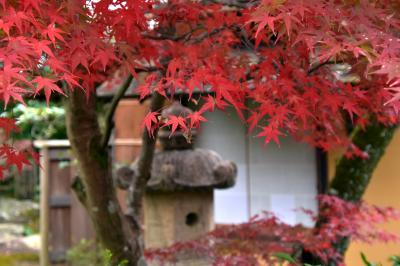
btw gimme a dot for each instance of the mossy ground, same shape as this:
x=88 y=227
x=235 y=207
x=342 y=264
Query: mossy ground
x=19 y=259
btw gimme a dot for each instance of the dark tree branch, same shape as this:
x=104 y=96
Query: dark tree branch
x=187 y=37
x=205 y=35
x=315 y=67
x=235 y=3
x=110 y=114
x=162 y=36
x=142 y=172
x=143 y=166
x=241 y=34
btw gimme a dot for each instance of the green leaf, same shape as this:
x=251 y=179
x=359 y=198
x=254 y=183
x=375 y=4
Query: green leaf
x=364 y=259
x=395 y=260
x=123 y=263
x=284 y=257
x=367 y=262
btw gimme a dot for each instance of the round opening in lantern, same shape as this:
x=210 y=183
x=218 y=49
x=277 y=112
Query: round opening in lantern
x=192 y=219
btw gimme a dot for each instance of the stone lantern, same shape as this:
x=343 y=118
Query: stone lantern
x=178 y=203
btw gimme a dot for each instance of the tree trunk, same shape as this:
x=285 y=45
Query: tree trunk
x=95 y=171
x=352 y=175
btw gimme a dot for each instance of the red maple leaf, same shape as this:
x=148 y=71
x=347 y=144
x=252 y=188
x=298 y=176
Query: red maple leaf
x=48 y=85
x=13 y=91
x=195 y=119
x=17 y=158
x=175 y=122
x=151 y=122
x=209 y=104
x=104 y=57
x=8 y=124
x=53 y=33
x=269 y=133
x=352 y=109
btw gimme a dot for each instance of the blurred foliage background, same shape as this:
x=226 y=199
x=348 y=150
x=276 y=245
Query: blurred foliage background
x=38 y=121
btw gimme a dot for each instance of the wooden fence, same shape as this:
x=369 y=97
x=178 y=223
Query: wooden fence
x=63 y=220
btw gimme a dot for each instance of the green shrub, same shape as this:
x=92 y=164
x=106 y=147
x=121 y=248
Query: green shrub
x=395 y=260
x=32 y=221
x=87 y=253
x=38 y=121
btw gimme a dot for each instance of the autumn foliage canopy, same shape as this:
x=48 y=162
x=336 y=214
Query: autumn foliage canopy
x=272 y=54
x=276 y=61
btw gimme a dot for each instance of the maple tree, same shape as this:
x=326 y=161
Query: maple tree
x=288 y=67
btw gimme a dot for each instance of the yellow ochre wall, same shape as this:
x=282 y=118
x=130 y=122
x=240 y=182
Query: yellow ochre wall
x=383 y=190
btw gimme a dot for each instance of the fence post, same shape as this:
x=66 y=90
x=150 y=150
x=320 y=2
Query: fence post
x=44 y=203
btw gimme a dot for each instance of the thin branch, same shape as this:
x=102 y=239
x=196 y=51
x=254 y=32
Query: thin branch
x=319 y=65
x=316 y=67
x=235 y=3
x=148 y=144
x=162 y=36
x=110 y=114
x=143 y=166
x=206 y=35
x=147 y=69
x=187 y=37
x=241 y=34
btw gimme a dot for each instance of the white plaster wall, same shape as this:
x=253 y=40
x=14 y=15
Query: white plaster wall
x=270 y=178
